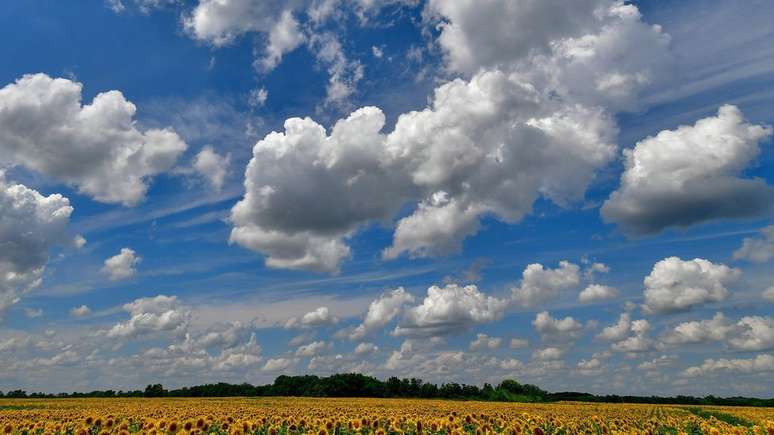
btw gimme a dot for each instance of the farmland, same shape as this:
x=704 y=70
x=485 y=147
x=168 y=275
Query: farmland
x=287 y=416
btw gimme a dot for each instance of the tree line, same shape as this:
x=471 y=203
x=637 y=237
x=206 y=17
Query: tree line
x=358 y=385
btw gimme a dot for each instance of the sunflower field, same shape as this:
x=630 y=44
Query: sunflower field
x=291 y=416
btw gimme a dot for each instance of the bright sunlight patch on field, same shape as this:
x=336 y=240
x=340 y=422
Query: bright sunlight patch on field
x=289 y=416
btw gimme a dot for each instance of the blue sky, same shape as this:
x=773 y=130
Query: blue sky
x=577 y=196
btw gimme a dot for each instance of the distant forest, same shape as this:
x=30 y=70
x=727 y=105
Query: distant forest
x=358 y=385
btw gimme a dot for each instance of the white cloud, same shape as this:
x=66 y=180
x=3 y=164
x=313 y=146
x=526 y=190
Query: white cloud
x=758 y=250
x=257 y=97
x=81 y=311
x=629 y=335
x=519 y=343
x=589 y=367
x=278 y=364
x=551 y=329
x=488 y=145
x=436 y=228
x=302 y=227
x=753 y=333
x=750 y=333
x=122 y=265
x=212 y=166
x=219 y=22
x=450 y=309
x=678 y=285
x=594 y=51
x=539 y=284
x=690 y=175
x=548 y=354
x=768 y=294
x=595 y=268
x=759 y=363
x=657 y=363
x=511 y=364
x=221 y=335
x=33 y=313
x=485 y=342
x=382 y=311
x=475 y=35
x=715 y=329
x=311 y=349
x=96 y=147
x=343 y=73
x=617 y=331
x=284 y=37
x=30 y=224
x=151 y=315
x=116 y=6
x=302 y=338
x=597 y=292
x=321 y=316
x=366 y=348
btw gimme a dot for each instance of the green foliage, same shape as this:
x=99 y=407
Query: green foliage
x=722 y=416
x=358 y=385
x=16 y=407
x=155 y=390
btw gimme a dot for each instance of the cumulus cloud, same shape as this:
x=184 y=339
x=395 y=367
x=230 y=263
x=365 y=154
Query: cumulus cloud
x=510 y=364
x=485 y=342
x=518 y=343
x=221 y=348
x=715 y=329
x=758 y=250
x=382 y=311
x=583 y=51
x=690 y=175
x=212 y=166
x=468 y=48
x=366 y=348
x=96 y=147
x=487 y=145
x=30 y=224
x=597 y=292
x=450 y=309
x=552 y=329
x=152 y=315
x=753 y=333
x=548 y=354
x=758 y=364
x=589 y=367
x=221 y=335
x=436 y=228
x=311 y=349
x=81 y=311
x=231 y=358
x=278 y=364
x=768 y=294
x=122 y=265
x=321 y=316
x=618 y=330
x=220 y=22
x=539 y=284
x=679 y=285
x=629 y=335
x=657 y=363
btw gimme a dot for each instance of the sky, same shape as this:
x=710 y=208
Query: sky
x=577 y=195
